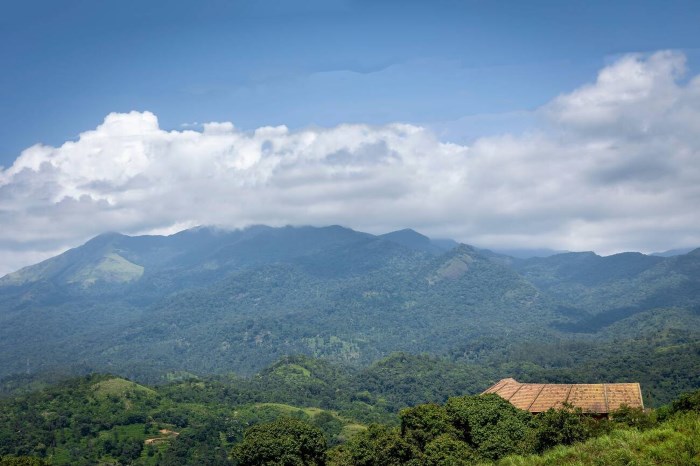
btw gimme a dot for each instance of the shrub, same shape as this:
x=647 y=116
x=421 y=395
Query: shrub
x=423 y=423
x=489 y=424
x=446 y=450
x=560 y=427
x=284 y=442
x=632 y=417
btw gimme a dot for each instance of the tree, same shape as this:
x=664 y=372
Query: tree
x=330 y=425
x=560 y=427
x=284 y=442
x=423 y=423
x=21 y=461
x=377 y=446
x=687 y=402
x=489 y=424
x=632 y=417
x=446 y=450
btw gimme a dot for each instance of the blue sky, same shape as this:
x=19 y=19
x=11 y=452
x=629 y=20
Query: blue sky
x=514 y=124
x=67 y=64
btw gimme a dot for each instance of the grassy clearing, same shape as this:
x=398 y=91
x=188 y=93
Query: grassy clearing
x=674 y=443
x=290 y=410
x=113 y=268
x=350 y=430
x=119 y=387
x=349 y=427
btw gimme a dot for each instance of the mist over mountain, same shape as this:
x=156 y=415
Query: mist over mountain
x=673 y=252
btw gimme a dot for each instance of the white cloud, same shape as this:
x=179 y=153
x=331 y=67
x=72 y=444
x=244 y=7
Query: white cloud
x=614 y=165
x=629 y=95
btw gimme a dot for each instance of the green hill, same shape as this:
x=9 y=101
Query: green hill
x=402 y=410
x=208 y=301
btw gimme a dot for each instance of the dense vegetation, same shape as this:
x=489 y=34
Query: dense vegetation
x=227 y=421
x=213 y=302
x=389 y=332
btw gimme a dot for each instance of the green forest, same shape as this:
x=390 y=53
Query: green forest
x=293 y=346
x=207 y=302
x=304 y=411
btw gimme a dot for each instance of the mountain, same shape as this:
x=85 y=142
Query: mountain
x=414 y=240
x=585 y=268
x=103 y=419
x=119 y=259
x=594 y=292
x=208 y=300
x=528 y=253
x=672 y=252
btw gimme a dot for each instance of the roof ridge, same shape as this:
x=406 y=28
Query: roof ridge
x=605 y=394
x=568 y=394
x=513 y=394
x=500 y=385
x=537 y=396
x=639 y=390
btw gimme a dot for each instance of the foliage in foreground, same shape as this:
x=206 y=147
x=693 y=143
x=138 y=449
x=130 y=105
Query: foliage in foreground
x=108 y=420
x=464 y=430
x=282 y=442
x=488 y=430
x=429 y=436
x=674 y=442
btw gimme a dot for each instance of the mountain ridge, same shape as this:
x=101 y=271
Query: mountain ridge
x=182 y=240
x=216 y=301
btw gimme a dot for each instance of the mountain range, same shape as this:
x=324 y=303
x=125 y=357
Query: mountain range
x=208 y=300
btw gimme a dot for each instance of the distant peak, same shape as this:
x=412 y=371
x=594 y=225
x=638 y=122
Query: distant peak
x=202 y=229
x=105 y=238
x=577 y=254
x=677 y=252
x=406 y=234
x=406 y=231
x=626 y=254
x=338 y=228
x=462 y=247
x=109 y=234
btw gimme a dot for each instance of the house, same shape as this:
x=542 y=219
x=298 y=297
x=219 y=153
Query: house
x=597 y=399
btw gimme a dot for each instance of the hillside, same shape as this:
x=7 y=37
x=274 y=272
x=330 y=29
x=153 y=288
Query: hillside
x=210 y=301
x=379 y=416
x=674 y=442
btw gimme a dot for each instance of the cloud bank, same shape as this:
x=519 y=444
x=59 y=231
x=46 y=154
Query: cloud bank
x=613 y=165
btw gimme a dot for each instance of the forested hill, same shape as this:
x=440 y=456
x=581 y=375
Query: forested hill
x=210 y=301
x=403 y=410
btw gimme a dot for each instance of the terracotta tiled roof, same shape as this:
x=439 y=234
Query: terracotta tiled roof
x=600 y=398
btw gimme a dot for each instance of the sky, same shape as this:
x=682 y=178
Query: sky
x=569 y=125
